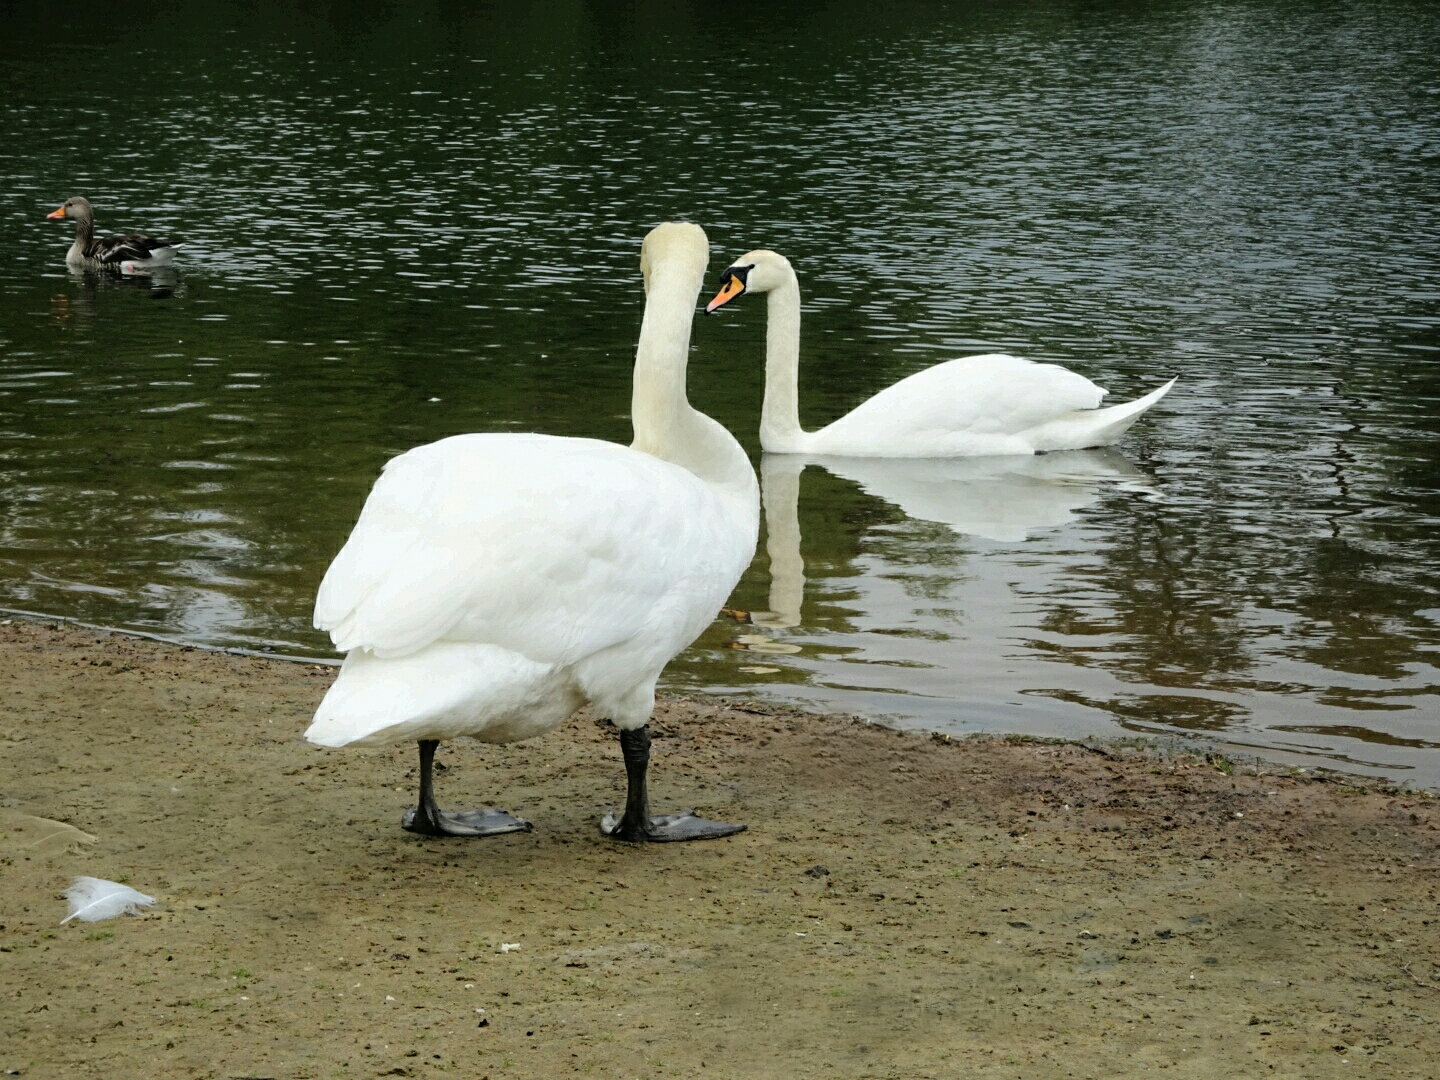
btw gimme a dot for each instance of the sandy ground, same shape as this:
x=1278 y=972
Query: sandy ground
x=901 y=906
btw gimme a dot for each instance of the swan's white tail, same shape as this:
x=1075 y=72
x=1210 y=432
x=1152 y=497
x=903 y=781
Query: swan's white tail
x=447 y=689
x=1093 y=427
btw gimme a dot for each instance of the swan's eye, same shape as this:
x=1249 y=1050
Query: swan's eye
x=732 y=284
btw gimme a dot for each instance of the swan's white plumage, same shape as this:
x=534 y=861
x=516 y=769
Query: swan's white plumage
x=552 y=547
x=496 y=582
x=973 y=406
x=970 y=406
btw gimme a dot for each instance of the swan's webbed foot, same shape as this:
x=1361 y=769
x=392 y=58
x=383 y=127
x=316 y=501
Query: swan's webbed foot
x=485 y=821
x=667 y=828
x=636 y=826
x=429 y=820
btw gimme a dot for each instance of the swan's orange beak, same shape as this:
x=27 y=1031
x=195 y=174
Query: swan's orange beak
x=730 y=288
x=57 y=214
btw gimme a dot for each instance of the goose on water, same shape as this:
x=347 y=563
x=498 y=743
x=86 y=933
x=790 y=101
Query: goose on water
x=496 y=582
x=128 y=253
x=969 y=407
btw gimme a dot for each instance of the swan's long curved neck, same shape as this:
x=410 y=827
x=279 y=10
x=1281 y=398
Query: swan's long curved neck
x=780 y=429
x=665 y=424
x=659 y=409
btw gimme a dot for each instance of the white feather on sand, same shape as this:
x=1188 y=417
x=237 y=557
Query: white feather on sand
x=93 y=899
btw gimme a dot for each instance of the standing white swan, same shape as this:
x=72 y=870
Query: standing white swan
x=970 y=407
x=495 y=583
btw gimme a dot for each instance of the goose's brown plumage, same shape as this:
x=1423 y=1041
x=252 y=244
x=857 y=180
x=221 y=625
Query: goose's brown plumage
x=129 y=250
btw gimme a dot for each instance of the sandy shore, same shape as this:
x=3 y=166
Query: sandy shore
x=901 y=906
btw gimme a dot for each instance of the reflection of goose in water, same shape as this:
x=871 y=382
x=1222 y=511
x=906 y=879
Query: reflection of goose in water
x=995 y=498
x=967 y=407
x=159 y=282
x=79 y=302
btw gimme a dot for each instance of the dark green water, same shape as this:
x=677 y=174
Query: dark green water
x=409 y=221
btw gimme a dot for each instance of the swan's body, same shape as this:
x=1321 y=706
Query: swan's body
x=128 y=253
x=495 y=583
x=970 y=407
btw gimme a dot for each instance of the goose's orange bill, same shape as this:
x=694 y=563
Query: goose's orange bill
x=729 y=289
x=57 y=214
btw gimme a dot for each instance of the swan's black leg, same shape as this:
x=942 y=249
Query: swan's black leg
x=429 y=819
x=636 y=825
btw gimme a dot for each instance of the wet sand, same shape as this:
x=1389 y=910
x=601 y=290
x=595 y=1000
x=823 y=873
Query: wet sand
x=901 y=906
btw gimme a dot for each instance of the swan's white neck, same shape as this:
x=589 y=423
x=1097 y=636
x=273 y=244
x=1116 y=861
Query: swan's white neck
x=666 y=426
x=780 y=431
x=659 y=408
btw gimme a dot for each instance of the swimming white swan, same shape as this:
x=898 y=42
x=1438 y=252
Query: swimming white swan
x=969 y=407
x=495 y=583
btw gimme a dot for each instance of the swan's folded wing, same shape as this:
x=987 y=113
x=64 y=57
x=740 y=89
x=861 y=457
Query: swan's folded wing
x=554 y=548
x=990 y=394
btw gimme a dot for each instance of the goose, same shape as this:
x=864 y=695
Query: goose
x=494 y=583
x=130 y=252
x=968 y=407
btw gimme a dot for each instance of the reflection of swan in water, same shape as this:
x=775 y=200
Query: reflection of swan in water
x=995 y=498
x=780 y=496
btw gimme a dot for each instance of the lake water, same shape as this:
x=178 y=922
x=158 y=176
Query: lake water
x=405 y=222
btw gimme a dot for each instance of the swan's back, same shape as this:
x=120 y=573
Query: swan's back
x=971 y=405
x=552 y=548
